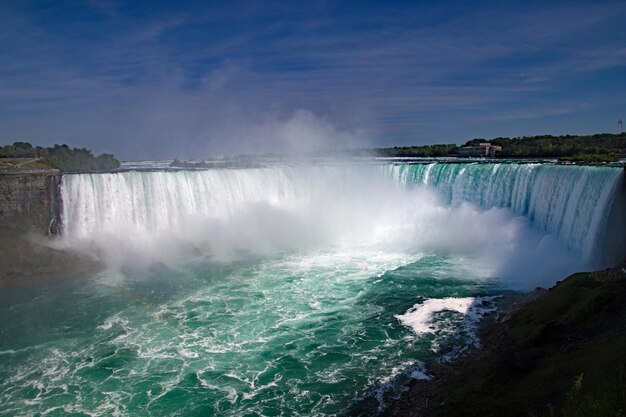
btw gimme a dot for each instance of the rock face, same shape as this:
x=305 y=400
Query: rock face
x=30 y=201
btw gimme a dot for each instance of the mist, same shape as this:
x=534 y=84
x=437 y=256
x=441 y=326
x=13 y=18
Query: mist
x=229 y=215
x=221 y=117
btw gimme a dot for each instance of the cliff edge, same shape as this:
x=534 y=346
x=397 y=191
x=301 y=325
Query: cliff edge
x=30 y=201
x=561 y=354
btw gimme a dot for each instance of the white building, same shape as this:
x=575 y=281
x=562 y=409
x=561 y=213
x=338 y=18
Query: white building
x=482 y=149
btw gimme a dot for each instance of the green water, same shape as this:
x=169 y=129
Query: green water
x=296 y=334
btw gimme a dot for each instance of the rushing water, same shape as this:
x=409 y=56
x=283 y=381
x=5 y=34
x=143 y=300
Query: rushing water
x=286 y=290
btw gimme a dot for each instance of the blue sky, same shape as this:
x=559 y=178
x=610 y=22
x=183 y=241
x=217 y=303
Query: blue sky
x=199 y=79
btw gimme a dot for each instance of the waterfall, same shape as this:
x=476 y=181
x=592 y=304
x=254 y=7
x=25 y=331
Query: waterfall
x=162 y=200
x=573 y=203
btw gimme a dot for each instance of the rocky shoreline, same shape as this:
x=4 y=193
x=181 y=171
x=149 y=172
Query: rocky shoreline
x=556 y=352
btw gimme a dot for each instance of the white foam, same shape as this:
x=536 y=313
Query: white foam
x=186 y=353
x=391 y=385
x=15 y=351
x=113 y=320
x=420 y=316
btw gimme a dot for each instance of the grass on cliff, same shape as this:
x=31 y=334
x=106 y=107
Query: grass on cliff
x=20 y=164
x=598 y=396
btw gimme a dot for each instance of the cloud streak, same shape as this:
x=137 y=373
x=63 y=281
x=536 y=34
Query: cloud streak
x=198 y=81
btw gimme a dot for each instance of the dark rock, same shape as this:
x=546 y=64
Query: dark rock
x=521 y=362
x=30 y=202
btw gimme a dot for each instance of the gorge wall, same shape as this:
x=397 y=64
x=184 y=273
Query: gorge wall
x=30 y=201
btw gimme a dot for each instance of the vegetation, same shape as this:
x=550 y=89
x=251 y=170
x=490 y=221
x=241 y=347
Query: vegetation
x=559 y=146
x=600 y=397
x=590 y=158
x=604 y=147
x=20 y=150
x=427 y=151
x=60 y=157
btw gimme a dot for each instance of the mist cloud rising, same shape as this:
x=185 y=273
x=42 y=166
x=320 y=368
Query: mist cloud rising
x=302 y=132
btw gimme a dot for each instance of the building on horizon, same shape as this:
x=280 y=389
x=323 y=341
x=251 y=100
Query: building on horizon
x=482 y=149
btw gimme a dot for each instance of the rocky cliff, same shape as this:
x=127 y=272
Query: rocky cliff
x=30 y=201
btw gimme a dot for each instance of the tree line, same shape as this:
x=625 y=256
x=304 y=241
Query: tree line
x=559 y=146
x=61 y=157
x=588 y=148
x=424 y=151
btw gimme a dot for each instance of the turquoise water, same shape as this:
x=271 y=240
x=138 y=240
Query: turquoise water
x=311 y=334
x=285 y=290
